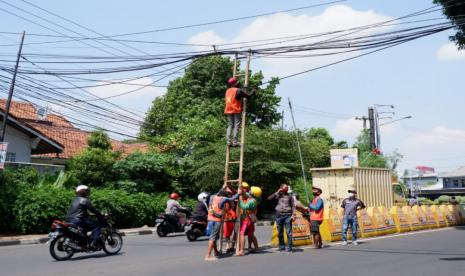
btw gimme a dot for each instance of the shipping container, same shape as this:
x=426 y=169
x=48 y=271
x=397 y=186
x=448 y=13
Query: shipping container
x=373 y=185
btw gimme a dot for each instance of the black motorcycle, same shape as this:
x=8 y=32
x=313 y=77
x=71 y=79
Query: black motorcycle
x=167 y=223
x=65 y=239
x=195 y=228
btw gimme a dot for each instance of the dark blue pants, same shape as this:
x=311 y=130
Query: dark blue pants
x=281 y=222
x=89 y=225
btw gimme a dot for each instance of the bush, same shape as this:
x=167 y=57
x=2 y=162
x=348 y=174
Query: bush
x=93 y=167
x=442 y=199
x=36 y=207
x=12 y=182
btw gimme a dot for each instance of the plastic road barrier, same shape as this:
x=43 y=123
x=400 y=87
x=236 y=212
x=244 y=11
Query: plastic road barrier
x=455 y=210
x=438 y=215
x=382 y=220
x=300 y=232
x=415 y=223
x=421 y=215
x=430 y=218
x=331 y=228
x=400 y=218
x=367 y=227
x=450 y=217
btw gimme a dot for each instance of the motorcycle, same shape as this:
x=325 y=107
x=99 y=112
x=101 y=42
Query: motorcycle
x=167 y=223
x=195 y=228
x=66 y=239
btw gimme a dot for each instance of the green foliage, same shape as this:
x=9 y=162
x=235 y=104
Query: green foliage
x=425 y=201
x=454 y=10
x=98 y=139
x=191 y=112
x=12 y=182
x=36 y=207
x=145 y=169
x=442 y=199
x=366 y=157
x=298 y=187
x=93 y=167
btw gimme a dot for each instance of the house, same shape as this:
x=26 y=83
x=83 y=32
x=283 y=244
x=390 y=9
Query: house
x=24 y=140
x=421 y=177
x=59 y=129
x=453 y=179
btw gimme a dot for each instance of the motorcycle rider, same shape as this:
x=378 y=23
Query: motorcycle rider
x=173 y=207
x=78 y=214
x=201 y=209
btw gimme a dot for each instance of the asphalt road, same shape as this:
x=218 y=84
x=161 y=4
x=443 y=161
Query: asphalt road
x=433 y=253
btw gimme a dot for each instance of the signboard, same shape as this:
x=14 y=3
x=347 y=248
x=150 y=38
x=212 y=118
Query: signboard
x=3 y=147
x=344 y=158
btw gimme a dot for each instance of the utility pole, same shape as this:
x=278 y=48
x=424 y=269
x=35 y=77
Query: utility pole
x=364 y=119
x=372 y=132
x=282 y=119
x=300 y=151
x=10 y=93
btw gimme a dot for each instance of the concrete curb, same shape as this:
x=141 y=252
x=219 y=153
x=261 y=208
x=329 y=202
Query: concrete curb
x=124 y=232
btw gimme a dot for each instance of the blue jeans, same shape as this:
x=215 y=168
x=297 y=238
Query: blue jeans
x=89 y=225
x=353 y=223
x=281 y=222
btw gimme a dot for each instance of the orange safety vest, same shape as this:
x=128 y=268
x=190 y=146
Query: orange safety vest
x=233 y=106
x=316 y=215
x=215 y=212
x=229 y=212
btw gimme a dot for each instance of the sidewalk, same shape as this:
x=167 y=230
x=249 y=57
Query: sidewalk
x=43 y=238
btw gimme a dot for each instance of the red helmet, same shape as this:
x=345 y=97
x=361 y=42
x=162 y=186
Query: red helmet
x=232 y=81
x=174 y=196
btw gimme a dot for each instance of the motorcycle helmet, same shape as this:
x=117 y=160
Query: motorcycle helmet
x=83 y=190
x=174 y=196
x=203 y=196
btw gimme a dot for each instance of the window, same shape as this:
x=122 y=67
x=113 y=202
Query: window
x=456 y=183
x=463 y=182
x=10 y=157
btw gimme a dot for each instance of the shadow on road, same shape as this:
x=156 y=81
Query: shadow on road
x=94 y=256
x=453 y=259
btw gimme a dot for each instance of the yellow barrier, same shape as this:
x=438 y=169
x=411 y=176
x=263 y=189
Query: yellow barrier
x=461 y=208
x=442 y=222
x=451 y=220
x=415 y=223
x=430 y=218
x=455 y=210
x=331 y=228
x=300 y=232
x=382 y=220
x=421 y=215
x=401 y=220
x=367 y=227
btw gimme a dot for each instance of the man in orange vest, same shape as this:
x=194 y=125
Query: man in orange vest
x=215 y=214
x=316 y=216
x=233 y=109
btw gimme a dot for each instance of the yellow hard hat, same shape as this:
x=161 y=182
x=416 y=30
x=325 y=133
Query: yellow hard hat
x=256 y=191
x=245 y=185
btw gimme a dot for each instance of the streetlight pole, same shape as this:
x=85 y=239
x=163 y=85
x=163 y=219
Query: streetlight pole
x=10 y=93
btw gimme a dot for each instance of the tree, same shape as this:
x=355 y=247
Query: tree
x=197 y=98
x=455 y=10
x=98 y=139
x=366 y=157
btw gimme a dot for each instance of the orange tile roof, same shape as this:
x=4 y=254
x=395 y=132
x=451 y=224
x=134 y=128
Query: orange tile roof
x=64 y=132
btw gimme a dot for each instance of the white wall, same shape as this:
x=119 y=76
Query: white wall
x=18 y=143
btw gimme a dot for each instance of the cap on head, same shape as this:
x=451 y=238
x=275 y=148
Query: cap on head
x=317 y=189
x=174 y=196
x=256 y=191
x=232 y=81
x=245 y=185
x=352 y=192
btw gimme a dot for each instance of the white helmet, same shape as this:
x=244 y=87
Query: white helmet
x=202 y=197
x=81 y=187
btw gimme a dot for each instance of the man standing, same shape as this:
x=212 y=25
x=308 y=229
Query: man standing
x=285 y=211
x=233 y=110
x=215 y=214
x=248 y=211
x=351 y=205
x=316 y=216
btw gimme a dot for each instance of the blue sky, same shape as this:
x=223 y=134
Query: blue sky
x=418 y=78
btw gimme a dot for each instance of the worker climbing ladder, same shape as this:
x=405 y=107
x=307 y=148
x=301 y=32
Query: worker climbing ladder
x=229 y=163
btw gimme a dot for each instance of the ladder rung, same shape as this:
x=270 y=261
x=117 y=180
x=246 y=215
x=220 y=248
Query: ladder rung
x=231 y=181
x=234 y=162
